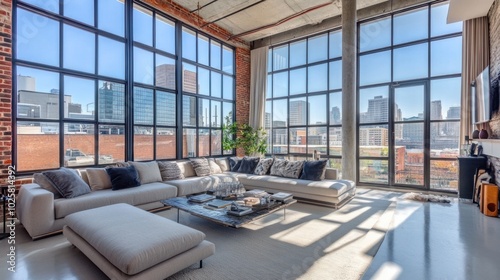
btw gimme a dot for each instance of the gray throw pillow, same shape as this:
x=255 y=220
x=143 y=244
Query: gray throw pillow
x=293 y=169
x=263 y=166
x=148 y=172
x=67 y=182
x=200 y=166
x=44 y=182
x=170 y=170
x=234 y=163
x=278 y=167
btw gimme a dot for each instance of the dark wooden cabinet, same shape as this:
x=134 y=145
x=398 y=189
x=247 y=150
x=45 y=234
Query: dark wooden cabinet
x=467 y=167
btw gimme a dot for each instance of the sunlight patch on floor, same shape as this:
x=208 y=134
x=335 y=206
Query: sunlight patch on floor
x=307 y=233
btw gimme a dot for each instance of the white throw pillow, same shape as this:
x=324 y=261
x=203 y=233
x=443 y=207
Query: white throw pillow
x=149 y=172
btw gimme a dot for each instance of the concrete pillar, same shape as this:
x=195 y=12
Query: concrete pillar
x=349 y=62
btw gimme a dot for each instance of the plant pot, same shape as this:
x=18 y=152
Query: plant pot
x=475 y=134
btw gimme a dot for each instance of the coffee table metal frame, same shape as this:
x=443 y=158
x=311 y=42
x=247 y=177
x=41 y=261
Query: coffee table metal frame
x=220 y=216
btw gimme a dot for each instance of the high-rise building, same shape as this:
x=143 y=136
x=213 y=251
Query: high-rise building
x=189 y=81
x=373 y=136
x=112 y=102
x=298 y=112
x=143 y=106
x=165 y=76
x=453 y=112
x=335 y=117
x=378 y=109
x=436 y=110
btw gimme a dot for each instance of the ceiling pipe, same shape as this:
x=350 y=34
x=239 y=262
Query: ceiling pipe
x=233 y=13
x=280 y=21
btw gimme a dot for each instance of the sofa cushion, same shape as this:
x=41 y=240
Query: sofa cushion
x=264 y=166
x=201 y=184
x=234 y=163
x=314 y=170
x=170 y=170
x=200 y=166
x=278 y=167
x=123 y=177
x=248 y=165
x=98 y=179
x=148 y=172
x=186 y=168
x=223 y=163
x=160 y=239
x=293 y=169
x=152 y=192
x=45 y=183
x=67 y=182
x=330 y=188
x=214 y=167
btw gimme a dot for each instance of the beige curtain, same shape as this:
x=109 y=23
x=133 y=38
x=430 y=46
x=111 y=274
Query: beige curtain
x=475 y=57
x=258 y=83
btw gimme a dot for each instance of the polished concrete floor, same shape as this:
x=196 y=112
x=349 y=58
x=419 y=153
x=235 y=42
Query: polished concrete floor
x=438 y=241
x=425 y=241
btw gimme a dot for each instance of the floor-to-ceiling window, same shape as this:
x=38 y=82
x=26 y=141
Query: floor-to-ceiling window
x=304 y=98
x=94 y=88
x=409 y=99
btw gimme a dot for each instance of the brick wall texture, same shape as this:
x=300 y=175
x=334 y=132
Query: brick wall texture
x=494 y=22
x=5 y=88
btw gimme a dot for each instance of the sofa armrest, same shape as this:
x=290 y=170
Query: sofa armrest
x=331 y=173
x=35 y=209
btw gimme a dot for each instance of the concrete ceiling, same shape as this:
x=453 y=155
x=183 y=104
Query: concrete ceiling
x=255 y=19
x=461 y=10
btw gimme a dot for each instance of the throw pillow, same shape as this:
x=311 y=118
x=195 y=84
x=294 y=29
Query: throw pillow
x=293 y=169
x=123 y=177
x=98 y=179
x=67 y=182
x=214 y=167
x=313 y=170
x=44 y=182
x=278 y=167
x=148 y=172
x=118 y=164
x=248 y=165
x=234 y=163
x=263 y=166
x=200 y=166
x=170 y=170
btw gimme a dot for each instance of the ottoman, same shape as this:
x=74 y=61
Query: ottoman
x=126 y=242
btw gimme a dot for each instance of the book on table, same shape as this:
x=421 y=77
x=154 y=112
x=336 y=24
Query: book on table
x=240 y=211
x=255 y=193
x=201 y=198
x=217 y=203
x=282 y=196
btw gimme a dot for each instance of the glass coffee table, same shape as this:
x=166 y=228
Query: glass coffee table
x=220 y=216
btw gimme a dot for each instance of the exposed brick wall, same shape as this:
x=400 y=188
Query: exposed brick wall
x=5 y=88
x=494 y=22
x=242 y=88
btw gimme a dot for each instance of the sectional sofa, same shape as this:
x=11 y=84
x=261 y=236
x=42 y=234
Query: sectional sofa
x=42 y=212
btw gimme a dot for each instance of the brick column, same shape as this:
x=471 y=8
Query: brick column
x=242 y=88
x=5 y=88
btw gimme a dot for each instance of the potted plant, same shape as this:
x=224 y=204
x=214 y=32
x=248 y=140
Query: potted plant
x=252 y=141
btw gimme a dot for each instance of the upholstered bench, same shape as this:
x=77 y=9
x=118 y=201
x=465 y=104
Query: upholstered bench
x=126 y=242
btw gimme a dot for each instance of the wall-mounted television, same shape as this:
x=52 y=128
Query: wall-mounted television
x=481 y=98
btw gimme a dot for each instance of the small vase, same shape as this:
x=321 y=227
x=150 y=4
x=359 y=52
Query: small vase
x=475 y=134
x=483 y=134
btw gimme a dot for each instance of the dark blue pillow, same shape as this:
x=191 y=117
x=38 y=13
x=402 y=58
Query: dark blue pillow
x=313 y=170
x=234 y=163
x=123 y=177
x=248 y=165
